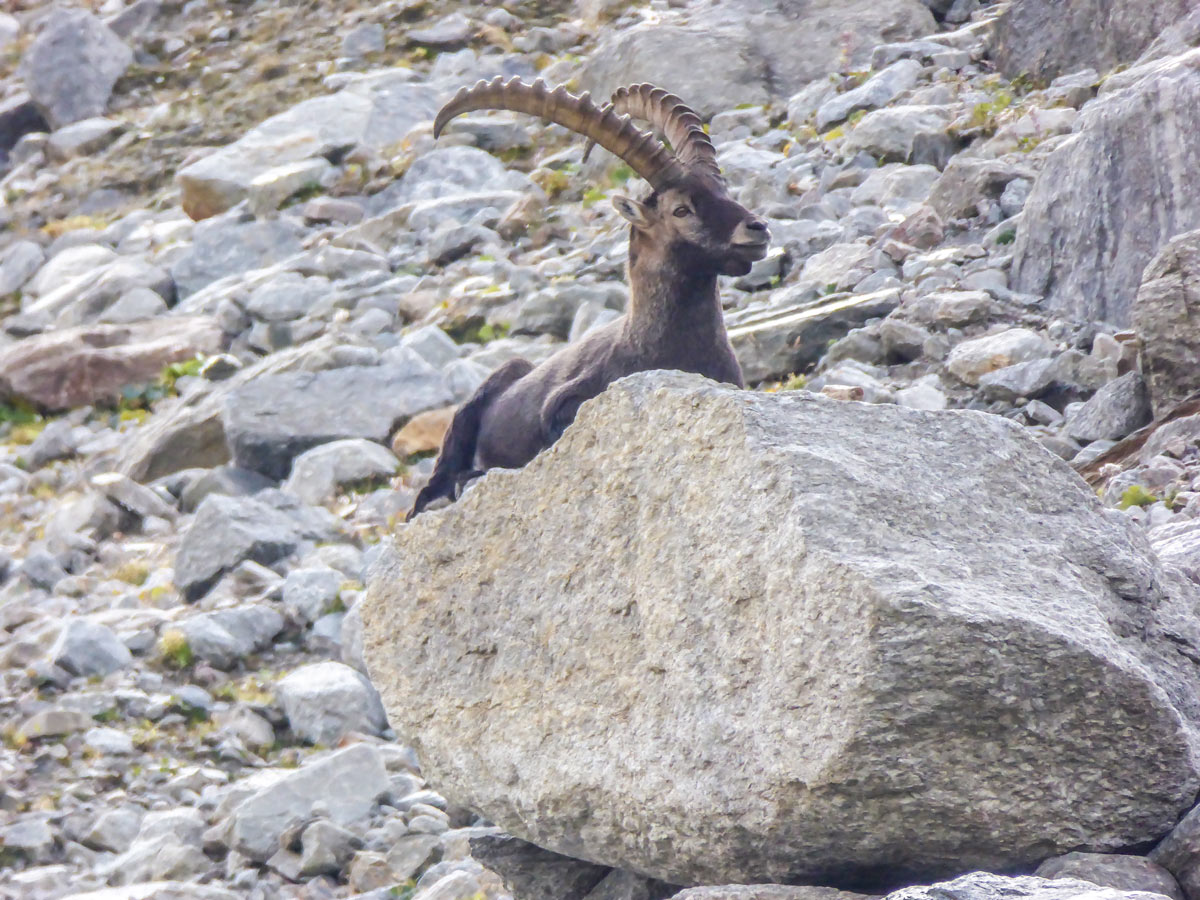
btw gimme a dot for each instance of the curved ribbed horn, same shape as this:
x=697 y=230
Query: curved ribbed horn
x=642 y=151
x=674 y=119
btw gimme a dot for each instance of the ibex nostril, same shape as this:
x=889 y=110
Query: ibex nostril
x=756 y=225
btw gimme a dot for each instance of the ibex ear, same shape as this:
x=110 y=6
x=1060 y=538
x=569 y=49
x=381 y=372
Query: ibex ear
x=637 y=214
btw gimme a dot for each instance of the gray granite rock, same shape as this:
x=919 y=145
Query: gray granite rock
x=228 y=530
x=1130 y=134
x=310 y=593
x=85 y=647
x=318 y=474
x=908 y=134
x=753 y=51
x=271 y=420
x=778 y=343
x=1163 y=315
x=346 y=783
x=71 y=67
x=971 y=360
x=940 y=634
x=1035 y=39
x=1119 y=408
x=20 y=262
x=986 y=886
x=1113 y=870
x=227 y=246
x=326 y=701
x=226 y=637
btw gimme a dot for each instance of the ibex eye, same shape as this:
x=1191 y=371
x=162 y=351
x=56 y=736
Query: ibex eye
x=682 y=211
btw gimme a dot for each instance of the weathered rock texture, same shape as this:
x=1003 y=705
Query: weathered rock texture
x=986 y=886
x=747 y=51
x=716 y=637
x=91 y=364
x=1050 y=39
x=1112 y=195
x=1166 y=316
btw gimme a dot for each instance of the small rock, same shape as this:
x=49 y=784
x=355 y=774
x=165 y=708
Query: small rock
x=423 y=433
x=20 y=262
x=1113 y=870
x=52 y=722
x=449 y=31
x=82 y=138
x=326 y=701
x=85 y=647
x=971 y=360
x=363 y=41
x=318 y=474
x=71 y=67
x=109 y=741
x=1119 y=408
x=311 y=593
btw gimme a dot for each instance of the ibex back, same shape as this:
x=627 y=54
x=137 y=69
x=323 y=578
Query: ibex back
x=683 y=235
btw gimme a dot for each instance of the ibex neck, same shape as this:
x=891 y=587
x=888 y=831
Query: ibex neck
x=670 y=305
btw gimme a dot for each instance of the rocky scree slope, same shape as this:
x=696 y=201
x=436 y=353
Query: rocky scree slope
x=241 y=290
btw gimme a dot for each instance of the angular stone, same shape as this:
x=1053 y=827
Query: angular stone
x=1033 y=38
x=1119 y=408
x=273 y=419
x=326 y=701
x=1113 y=870
x=1164 y=316
x=53 y=722
x=226 y=637
x=968 y=180
x=90 y=364
x=971 y=360
x=533 y=873
x=318 y=474
x=82 y=138
x=85 y=647
x=777 y=344
x=754 y=51
x=986 y=886
x=766 y=892
x=375 y=112
x=228 y=530
x=71 y=67
x=786 y=664
x=1141 y=201
x=878 y=90
x=346 y=783
x=20 y=262
x=221 y=247
x=907 y=134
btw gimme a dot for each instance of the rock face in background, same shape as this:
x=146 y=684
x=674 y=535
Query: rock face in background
x=72 y=66
x=748 y=52
x=1165 y=316
x=1046 y=40
x=848 y=662
x=1111 y=196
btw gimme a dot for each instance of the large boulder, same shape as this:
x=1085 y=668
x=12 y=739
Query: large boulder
x=1109 y=197
x=1050 y=39
x=749 y=51
x=72 y=66
x=1166 y=316
x=714 y=636
x=91 y=364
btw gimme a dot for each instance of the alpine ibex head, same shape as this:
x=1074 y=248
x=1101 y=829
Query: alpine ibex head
x=688 y=221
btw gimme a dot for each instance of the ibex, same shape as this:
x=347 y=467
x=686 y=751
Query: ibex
x=682 y=236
